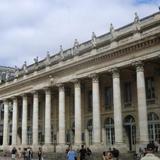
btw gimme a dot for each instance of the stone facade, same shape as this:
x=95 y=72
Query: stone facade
x=102 y=93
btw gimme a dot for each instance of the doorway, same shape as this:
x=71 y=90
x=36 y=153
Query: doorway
x=130 y=128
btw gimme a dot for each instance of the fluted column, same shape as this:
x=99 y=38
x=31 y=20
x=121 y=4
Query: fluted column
x=142 y=106
x=5 y=124
x=61 y=114
x=96 y=110
x=24 y=120
x=117 y=107
x=35 y=118
x=78 y=120
x=14 y=121
x=47 y=116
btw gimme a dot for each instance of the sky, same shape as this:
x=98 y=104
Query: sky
x=30 y=28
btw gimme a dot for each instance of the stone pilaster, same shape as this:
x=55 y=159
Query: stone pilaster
x=5 y=124
x=35 y=118
x=14 y=121
x=78 y=120
x=24 y=120
x=117 y=107
x=142 y=106
x=47 y=116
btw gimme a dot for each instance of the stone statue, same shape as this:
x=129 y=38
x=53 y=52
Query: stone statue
x=93 y=41
x=61 y=51
x=36 y=60
x=136 y=22
x=48 y=58
x=76 y=44
x=24 y=67
x=16 y=71
x=112 y=31
x=136 y=18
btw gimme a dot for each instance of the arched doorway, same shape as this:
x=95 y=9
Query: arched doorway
x=110 y=133
x=90 y=127
x=153 y=127
x=130 y=127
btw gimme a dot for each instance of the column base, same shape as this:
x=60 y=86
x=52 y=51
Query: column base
x=61 y=148
x=48 y=148
x=141 y=145
x=122 y=147
x=97 y=148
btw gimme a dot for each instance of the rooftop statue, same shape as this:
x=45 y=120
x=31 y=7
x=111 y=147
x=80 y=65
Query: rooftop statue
x=48 y=59
x=76 y=44
x=36 y=60
x=112 y=31
x=136 y=18
x=136 y=22
x=24 y=67
x=61 y=51
x=16 y=71
x=93 y=41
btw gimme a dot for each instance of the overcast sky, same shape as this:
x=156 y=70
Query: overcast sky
x=30 y=28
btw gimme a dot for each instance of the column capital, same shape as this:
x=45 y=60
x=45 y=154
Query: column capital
x=60 y=86
x=34 y=91
x=139 y=66
x=115 y=72
x=94 y=77
x=76 y=83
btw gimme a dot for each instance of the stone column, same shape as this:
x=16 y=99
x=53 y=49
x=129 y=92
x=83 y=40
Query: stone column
x=86 y=137
x=47 y=116
x=35 y=118
x=142 y=106
x=117 y=107
x=24 y=120
x=14 y=121
x=104 y=136
x=5 y=124
x=78 y=120
x=61 y=114
x=96 y=110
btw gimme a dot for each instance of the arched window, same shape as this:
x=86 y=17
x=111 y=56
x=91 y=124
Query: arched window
x=153 y=127
x=110 y=133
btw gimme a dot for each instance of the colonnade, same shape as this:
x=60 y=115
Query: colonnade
x=96 y=116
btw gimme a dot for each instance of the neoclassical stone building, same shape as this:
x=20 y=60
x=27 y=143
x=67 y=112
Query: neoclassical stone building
x=103 y=93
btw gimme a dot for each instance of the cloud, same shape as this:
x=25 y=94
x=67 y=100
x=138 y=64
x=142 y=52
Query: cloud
x=30 y=28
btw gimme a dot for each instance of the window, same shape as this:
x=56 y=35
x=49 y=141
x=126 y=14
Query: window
x=90 y=101
x=127 y=93
x=150 y=88
x=153 y=127
x=110 y=133
x=108 y=97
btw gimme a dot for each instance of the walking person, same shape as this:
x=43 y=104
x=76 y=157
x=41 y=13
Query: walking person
x=14 y=152
x=82 y=153
x=150 y=154
x=40 y=154
x=19 y=153
x=71 y=155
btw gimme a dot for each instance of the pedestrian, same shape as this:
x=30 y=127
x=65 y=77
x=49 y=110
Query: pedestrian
x=104 y=156
x=115 y=153
x=150 y=155
x=25 y=153
x=71 y=155
x=156 y=143
x=82 y=153
x=109 y=156
x=19 y=153
x=14 y=152
x=40 y=154
x=88 y=153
